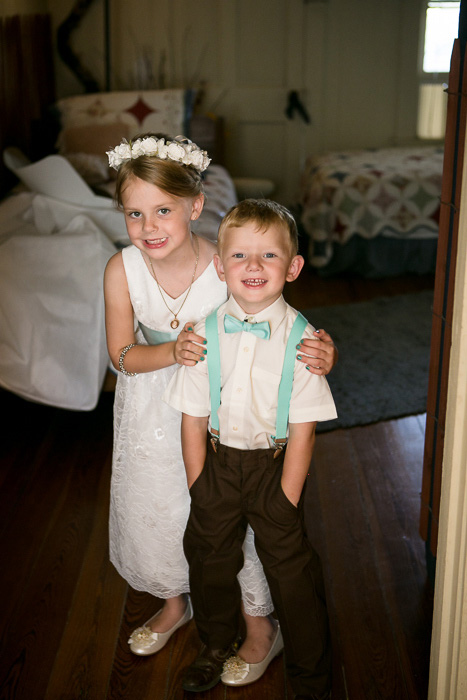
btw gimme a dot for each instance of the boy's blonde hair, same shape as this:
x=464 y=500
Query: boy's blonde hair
x=264 y=213
x=174 y=178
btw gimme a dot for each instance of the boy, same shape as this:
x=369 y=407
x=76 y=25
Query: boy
x=243 y=475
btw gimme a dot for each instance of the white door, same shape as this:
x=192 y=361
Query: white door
x=265 y=55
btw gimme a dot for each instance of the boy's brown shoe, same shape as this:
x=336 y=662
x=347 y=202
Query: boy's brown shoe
x=206 y=669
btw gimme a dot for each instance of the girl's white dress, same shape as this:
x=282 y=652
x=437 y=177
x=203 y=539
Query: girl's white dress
x=150 y=501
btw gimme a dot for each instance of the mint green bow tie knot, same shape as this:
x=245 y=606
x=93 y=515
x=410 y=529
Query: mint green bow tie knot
x=233 y=325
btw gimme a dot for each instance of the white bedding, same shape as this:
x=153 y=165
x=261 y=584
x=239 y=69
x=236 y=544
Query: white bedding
x=52 y=336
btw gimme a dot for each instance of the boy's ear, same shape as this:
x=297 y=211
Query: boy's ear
x=219 y=267
x=295 y=268
x=197 y=207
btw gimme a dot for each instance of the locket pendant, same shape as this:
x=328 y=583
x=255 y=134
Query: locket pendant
x=174 y=324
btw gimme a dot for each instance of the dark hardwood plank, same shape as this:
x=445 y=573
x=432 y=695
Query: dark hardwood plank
x=316 y=534
x=370 y=589
x=44 y=545
x=87 y=647
x=369 y=664
x=400 y=553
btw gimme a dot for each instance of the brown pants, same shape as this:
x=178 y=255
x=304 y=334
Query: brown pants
x=237 y=487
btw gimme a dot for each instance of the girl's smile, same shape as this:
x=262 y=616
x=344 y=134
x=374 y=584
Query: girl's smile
x=156 y=243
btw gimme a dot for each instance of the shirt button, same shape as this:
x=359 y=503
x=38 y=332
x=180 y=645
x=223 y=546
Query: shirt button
x=246 y=349
x=234 y=427
x=239 y=390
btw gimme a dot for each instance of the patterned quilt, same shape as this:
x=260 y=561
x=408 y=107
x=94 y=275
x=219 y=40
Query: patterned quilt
x=391 y=192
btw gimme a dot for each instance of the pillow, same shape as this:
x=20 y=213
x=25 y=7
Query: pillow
x=93 y=168
x=159 y=111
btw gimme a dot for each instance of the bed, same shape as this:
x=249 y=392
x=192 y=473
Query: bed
x=374 y=212
x=59 y=227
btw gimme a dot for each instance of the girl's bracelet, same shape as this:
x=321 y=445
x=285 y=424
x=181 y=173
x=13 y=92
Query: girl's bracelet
x=120 y=361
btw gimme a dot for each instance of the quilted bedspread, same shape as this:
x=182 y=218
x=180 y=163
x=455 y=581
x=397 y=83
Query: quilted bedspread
x=391 y=192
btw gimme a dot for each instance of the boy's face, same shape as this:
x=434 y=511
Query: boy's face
x=256 y=264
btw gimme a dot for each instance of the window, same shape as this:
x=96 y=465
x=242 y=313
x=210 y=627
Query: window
x=440 y=25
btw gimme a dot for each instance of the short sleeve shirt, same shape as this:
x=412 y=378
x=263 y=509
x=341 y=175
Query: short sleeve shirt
x=251 y=370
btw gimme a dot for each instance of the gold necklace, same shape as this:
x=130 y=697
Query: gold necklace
x=175 y=322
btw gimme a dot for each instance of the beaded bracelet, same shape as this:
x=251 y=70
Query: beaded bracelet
x=120 y=362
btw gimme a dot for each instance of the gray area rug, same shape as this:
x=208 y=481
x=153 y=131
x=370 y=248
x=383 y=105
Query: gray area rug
x=384 y=353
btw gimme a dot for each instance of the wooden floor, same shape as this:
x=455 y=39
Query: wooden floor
x=67 y=614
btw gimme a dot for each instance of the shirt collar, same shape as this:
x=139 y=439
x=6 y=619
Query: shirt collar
x=274 y=313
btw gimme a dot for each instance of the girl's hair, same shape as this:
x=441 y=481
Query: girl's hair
x=174 y=178
x=264 y=213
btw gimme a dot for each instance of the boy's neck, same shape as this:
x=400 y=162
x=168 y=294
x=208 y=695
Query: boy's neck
x=254 y=309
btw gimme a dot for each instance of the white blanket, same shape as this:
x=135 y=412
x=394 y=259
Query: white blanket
x=52 y=334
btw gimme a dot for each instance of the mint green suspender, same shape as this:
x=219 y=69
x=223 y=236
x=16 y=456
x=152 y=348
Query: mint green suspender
x=214 y=370
x=285 y=386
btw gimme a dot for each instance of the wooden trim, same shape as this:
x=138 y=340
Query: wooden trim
x=448 y=671
x=443 y=298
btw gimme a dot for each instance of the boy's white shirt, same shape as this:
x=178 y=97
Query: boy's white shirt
x=251 y=371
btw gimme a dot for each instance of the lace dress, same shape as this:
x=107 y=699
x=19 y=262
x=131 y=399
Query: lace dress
x=149 y=501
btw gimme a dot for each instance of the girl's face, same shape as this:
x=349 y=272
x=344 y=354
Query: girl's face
x=157 y=222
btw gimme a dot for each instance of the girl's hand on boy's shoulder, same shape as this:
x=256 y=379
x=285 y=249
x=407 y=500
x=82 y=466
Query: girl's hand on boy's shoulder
x=190 y=348
x=319 y=354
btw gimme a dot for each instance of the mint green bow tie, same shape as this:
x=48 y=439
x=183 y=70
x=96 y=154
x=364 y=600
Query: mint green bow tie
x=233 y=325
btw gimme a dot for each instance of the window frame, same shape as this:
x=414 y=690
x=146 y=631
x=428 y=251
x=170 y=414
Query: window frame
x=427 y=78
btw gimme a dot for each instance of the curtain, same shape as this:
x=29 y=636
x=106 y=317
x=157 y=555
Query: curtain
x=26 y=86
x=432 y=106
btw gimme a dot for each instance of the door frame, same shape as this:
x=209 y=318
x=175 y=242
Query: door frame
x=448 y=667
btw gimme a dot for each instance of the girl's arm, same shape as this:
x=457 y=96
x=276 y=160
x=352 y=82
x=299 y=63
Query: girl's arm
x=297 y=459
x=319 y=353
x=119 y=325
x=194 y=434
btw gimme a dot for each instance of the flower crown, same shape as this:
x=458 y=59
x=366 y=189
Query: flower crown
x=181 y=151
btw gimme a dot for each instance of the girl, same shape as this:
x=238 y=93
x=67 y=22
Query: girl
x=158 y=286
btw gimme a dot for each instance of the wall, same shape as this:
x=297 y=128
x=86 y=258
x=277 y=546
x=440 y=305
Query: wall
x=369 y=90
x=22 y=7
x=87 y=41
x=353 y=63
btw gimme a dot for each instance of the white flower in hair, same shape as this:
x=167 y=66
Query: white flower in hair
x=143 y=146
x=119 y=154
x=197 y=160
x=179 y=151
x=162 y=149
x=176 y=151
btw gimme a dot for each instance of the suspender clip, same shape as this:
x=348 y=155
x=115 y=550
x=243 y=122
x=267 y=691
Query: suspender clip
x=214 y=438
x=279 y=444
